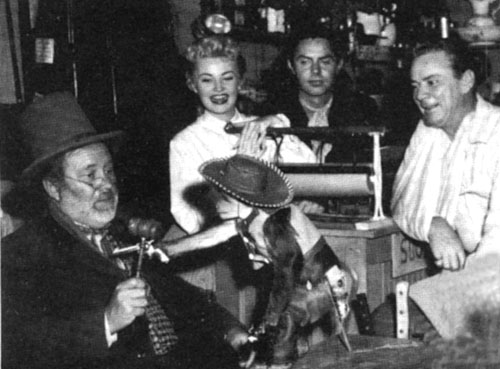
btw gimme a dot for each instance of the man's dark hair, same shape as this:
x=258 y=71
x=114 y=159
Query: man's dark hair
x=311 y=30
x=458 y=52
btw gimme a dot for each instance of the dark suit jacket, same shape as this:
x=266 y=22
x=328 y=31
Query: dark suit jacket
x=348 y=109
x=55 y=288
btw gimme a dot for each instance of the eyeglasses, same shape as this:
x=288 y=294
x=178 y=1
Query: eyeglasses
x=98 y=182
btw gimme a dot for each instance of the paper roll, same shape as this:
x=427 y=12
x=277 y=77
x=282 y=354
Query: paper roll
x=331 y=185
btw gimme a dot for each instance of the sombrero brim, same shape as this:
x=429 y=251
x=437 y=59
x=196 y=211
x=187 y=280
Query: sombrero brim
x=35 y=169
x=280 y=190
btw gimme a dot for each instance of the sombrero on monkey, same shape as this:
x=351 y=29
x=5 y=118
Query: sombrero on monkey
x=301 y=258
x=252 y=181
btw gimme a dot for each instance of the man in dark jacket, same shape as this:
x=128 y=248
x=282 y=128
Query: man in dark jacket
x=325 y=96
x=65 y=301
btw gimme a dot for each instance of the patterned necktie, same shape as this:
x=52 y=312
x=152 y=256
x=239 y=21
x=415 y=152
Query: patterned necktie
x=161 y=329
x=104 y=242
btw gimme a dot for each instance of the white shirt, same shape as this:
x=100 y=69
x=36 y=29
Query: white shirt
x=205 y=139
x=318 y=117
x=458 y=180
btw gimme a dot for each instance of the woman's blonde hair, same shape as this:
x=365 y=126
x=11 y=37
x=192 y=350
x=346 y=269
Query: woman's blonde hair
x=216 y=46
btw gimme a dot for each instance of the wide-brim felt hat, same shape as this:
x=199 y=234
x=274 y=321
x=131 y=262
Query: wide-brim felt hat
x=53 y=125
x=252 y=181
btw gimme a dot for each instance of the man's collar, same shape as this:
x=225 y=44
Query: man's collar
x=89 y=231
x=481 y=133
x=307 y=105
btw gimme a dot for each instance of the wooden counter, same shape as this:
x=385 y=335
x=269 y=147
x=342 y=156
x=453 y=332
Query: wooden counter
x=381 y=257
x=370 y=352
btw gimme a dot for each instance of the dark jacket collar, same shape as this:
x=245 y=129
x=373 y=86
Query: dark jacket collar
x=68 y=236
x=348 y=108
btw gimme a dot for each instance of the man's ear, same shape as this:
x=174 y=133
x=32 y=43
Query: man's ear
x=467 y=81
x=51 y=189
x=290 y=66
x=340 y=65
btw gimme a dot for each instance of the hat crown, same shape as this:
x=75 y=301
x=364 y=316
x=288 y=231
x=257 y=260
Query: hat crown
x=51 y=122
x=246 y=176
x=53 y=125
x=250 y=180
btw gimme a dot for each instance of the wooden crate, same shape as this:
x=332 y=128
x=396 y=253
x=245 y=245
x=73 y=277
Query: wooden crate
x=238 y=299
x=380 y=257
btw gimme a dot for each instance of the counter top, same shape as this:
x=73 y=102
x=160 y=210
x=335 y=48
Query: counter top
x=369 y=352
x=363 y=229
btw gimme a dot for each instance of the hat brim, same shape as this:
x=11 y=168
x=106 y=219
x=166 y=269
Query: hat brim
x=35 y=169
x=280 y=195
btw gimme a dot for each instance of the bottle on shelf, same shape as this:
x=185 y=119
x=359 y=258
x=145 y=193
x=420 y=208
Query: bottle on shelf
x=444 y=23
x=51 y=67
x=275 y=16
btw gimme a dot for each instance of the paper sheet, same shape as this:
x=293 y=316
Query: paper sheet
x=331 y=185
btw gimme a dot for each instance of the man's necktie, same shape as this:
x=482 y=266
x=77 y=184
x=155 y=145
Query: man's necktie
x=160 y=327
x=104 y=242
x=97 y=239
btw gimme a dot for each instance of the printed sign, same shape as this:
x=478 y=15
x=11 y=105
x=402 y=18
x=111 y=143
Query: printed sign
x=407 y=257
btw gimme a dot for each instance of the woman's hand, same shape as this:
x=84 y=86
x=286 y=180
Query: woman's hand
x=252 y=141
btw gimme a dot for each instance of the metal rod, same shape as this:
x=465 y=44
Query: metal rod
x=13 y=54
x=71 y=43
x=141 y=257
x=111 y=53
x=312 y=133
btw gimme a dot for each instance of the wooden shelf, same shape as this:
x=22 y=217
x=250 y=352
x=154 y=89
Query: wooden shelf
x=257 y=36
x=374 y=53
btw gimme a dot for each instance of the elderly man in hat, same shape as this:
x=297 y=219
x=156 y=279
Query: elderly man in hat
x=310 y=285
x=65 y=301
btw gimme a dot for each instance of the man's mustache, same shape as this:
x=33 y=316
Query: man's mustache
x=107 y=195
